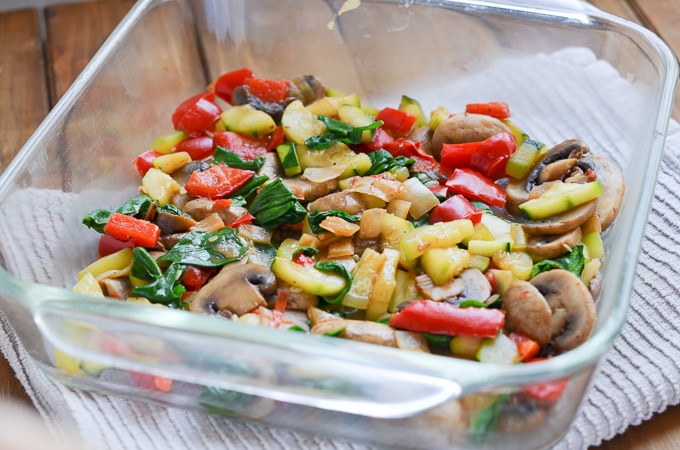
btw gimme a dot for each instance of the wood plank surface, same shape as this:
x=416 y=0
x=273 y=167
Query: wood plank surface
x=31 y=85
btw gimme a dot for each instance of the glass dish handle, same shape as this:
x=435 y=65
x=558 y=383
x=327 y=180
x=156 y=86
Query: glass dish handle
x=240 y=357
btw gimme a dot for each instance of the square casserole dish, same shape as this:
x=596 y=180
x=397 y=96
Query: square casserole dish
x=567 y=70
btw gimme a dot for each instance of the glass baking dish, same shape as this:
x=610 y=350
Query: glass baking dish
x=567 y=70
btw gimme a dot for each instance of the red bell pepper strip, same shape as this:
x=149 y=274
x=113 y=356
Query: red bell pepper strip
x=198 y=148
x=411 y=149
x=276 y=138
x=274 y=91
x=426 y=316
x=247 y=147
x=143 y=233
x=224 y=85
x=454 y=208
x=144 y=161
x=476 y=186
x=454 y=156
x=109 y=244
x=499 y=110
x=245 y=219
x=396 y=121
x=381 y=139
x=496 y=148
x=439 y=190
x=281 y=302
x=195 y=277
x=526 y=347
x=197 y=114
x=548 y=391
x=222 y=203
x=216 y=182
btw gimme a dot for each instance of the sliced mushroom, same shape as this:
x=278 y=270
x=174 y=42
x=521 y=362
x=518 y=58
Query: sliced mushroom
x=172 y=223
x=182 y=174
x=573 y=308
x=308 y=190
x=471 y=284
x=517 y=190
x=242 y=95
x=116 y=287
x=555 y=307
x=424 y=136
x=358 y=330
x=556 y=170
x=236 y=289
x=307 y=89
x=527 y=312
x=613 y=187
x=552 y=246
x=461 y=128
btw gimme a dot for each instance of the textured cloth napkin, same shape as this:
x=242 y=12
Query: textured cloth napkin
x=639 y=376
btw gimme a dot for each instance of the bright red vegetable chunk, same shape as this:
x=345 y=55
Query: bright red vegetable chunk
x=274 y=91
x=195 y=277
x=127 y=228
x=197 y=114
x=144 y=161
x=225 y=84
x=454 y=208
x=198 y=148
x=381 y=139
x=109 y=244
x=247 y=147
x=396 y=121
x=476 y=186
x=426 y=316
x=245 y=219
x=216 y=182
x=454 y=156
x=411 y=149
x=493 y=154
x=499 y=110
x=527 y=348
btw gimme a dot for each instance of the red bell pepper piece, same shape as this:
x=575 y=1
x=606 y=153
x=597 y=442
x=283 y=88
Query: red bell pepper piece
x=151 y=382
x=548 y=391
x=281 y=302
x=426 y=316
x=143 y=233
x=109 y=244
x=245 y=219
x=198 y=148
x=303 y=260
x=499 y=110
x=453 y=208
x=476 y=186
x=197 y=114
x=381 y=139
x=276 y=138
x=526 y=347
x=224 y=85
x=454 y=156
x=218 y=181
x=274 y=91
x=493 y=154
x=247 y=147
x=222 y=203
x=439 y=190
x=195 y=277
x=411 y=149
x=143 y=162
x=396 y=121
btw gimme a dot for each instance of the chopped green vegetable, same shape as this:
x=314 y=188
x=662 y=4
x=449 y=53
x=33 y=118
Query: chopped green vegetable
x=137 y=206
x=338 y=132
x=250 y=187
x=335 y=333
x=162 y=287
x=329 y=266
x=485 y=419
x=207 y=249
x=224 y=155
x=276 y=205
x=316 y=217
x=171 y=209
x=383 y=161
x=437 y=340
x=572 y=261
x=305 y=250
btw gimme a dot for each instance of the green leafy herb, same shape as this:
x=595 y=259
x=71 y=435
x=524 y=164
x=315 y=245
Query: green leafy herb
x=383 y=161
x=250 y=187
x=275 y=205
x=338 y=132
x=384 y=319
x=238 y=200
x=425 y=220
x=137 y=206
x=437 y=340
x=486 y=419
x=296 y=328
x=472 y=303
x=572 y=261
x=207 y=249
x=163 y=287
x=334 y=333
x=330 y=266
x=305 y=250
x=224 y=155
x=481 y=205
x=316 y=217
x=171 y=209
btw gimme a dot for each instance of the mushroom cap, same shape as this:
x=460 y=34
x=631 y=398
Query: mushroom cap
x=572 y=306
x=471 y=284
x=236 y=289
x=527 y=312
x=546 y=247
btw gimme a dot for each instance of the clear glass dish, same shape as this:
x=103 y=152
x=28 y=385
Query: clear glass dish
x=566 y=69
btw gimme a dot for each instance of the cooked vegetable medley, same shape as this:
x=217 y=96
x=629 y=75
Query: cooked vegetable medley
x=288 y=204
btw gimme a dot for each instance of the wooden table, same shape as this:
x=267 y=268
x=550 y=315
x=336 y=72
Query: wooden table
x=35 y=73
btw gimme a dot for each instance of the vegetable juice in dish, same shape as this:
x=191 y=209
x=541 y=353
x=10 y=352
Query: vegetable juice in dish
x=291 y=205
